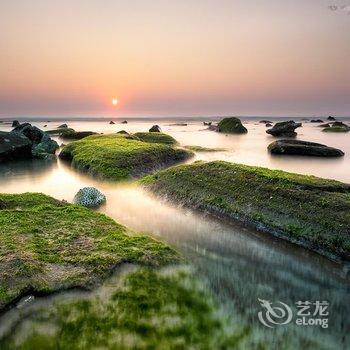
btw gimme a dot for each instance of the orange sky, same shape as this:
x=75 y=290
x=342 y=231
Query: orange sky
x=167 y=58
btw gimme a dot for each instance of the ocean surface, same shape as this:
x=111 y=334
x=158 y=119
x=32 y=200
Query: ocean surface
x=238 y=265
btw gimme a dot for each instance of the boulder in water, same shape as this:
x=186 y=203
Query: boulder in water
x=111 y=122
x=316 y=121
x=331 y=118
x=15 y=123
x=45 y=146
x=124 y=122
x=89 y=197
x=303 y=148
x=14 y=146
x=62 y=126
x=155 y=128
x=231 y=125
x=284 y=129
x=33 y=133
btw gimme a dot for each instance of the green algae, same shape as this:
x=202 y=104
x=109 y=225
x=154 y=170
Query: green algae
x=46 y=245
x=156 y=137
x=119 y=157
x=307 y=210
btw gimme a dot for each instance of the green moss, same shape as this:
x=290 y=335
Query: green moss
x=298 y=206
x=60 y=131
x=204 y=149
x=119 y=157
x=231 y=125
x=336 y=129
x=151 y=310
x=47 y=245
x=77 y=135
x=156 y=137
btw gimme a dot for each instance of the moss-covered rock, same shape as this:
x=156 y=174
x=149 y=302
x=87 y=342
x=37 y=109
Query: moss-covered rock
x=77 y=135
x=119 y=157
x=149 y=310
x=306 y=210
x=156 y=137
x=204 y=149
x=60 y=131
x=47 y=245
x=337 y=129
x=231 y=125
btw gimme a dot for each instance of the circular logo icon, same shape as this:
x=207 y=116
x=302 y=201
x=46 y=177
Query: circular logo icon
x=274 y=315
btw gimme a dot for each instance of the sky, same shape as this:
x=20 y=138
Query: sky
x=174 y=58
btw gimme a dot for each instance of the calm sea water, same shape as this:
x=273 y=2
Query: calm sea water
x=237 y=264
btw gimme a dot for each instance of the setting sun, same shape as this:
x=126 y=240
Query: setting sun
x=114 y=101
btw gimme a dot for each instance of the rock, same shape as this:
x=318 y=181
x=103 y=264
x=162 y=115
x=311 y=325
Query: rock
x=77 y=135
x=45 y=146
x=15 y=123
x=207 y=123
x=111 y=122
x=14 y=146
x=316 y=121
x=41 y=144
x=231 y=125
x=45 y=125
x=303 y=148
x=284 y=129
x=90 y=197
x=337 y=128
x=341 y=124
x=265 y=122
x=62 y=126
x=331 y=118
x=33 y=133
x=212 y=127
x=155 y=128
x=123 y=132
x=268 y=125
x=326 y=125
x=124 y=122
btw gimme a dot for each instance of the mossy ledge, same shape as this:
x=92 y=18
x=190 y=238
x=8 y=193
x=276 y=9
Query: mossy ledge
x=147 y=309
x=120 y=157
x=156 y=137
x=47 y=246
x=306 y=210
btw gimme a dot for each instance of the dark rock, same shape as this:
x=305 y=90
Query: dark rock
x=33 y=133
x=62 y=126
x=341 y=124
x=331 y=118
x=207 y=123
x=45 y=146
x=268 y=125
x=123 y=132
x=316 y=121
x=231 y=125
x=303 y=148
x=111 y=122
x=155 y=128
x=284 y=129
x=14 y=146
x=15 y=123
x=77 y=135
x=326 y=125
x=124 y=122
x=265 y=122
x=45 y=125
x=90 y=197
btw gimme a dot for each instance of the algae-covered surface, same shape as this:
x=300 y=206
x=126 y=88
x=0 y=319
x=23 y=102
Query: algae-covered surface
x=306 y=210
x=232 y=125
x=156 y=137
x=119 y=157
x=204 y=149
x=47 y=245
x=143 y=309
